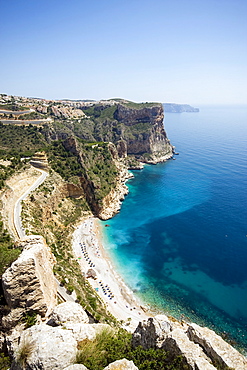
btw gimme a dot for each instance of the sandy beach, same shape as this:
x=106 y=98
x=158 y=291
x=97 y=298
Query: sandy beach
x=119 y=299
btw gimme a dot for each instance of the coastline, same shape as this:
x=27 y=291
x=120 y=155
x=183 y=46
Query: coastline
x=97 y=267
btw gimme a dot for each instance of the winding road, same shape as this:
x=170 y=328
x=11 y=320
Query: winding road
x=17 y=209
x=61 y=291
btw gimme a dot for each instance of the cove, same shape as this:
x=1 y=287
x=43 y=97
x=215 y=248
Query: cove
x=180 y=239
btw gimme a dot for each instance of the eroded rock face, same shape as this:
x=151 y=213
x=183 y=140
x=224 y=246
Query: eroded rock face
x=86 y=331
x=144 y=133
x=216 y=348
x=178 y=343
x=51 y=348
x=111 y=204
x=200 y=348
x=68 y=313
x=151 y=333
x=121 y=365
x=29 y=282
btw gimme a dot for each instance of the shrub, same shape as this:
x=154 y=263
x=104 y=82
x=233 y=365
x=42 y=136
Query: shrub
x=24 y=351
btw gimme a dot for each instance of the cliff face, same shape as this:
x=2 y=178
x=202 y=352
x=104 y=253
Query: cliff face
x=144 y=133
x=29 y=282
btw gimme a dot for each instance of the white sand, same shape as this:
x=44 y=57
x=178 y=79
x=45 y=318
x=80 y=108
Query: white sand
x=118 y=298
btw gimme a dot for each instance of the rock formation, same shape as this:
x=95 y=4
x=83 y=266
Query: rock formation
x=216 y=348
x=144 y=134
x=68 y=313
x=29 y=282
x=49 y=348
x=121 y=365
x=200 y=347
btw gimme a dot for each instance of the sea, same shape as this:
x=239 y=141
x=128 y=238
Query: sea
x=180 y=239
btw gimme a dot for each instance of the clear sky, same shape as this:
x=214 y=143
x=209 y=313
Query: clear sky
x=181 y=51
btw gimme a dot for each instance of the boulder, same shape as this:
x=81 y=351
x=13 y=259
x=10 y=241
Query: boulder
x=76 y=367
x=216 y=348
x=86 y=331
x=29 y=282
x=121 y=365
x=151 y=333
x=45 y=348
x=68 y=313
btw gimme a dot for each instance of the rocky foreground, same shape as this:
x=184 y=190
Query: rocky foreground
x=52 y=342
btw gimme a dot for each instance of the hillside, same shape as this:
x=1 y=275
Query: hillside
x=87 y=148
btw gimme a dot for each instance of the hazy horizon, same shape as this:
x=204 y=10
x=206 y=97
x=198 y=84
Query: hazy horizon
x=184 y=52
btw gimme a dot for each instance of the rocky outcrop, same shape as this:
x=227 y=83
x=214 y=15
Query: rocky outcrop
x=48 y=348
x=39 y=160
x=216 y=348
x=144 y=134
x=121 y=365
x=201 y=348
x=152 y=333
x=178 y=343
x=29 y=282
x=111 y=204
x=67 y=112
x=68 y=313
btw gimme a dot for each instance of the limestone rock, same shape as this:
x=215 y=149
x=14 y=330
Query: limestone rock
x=111 y=204
x=216 y=348
x=29 y=282
x=151 y=333
x=68 y=313
x=50 y=348
x=85 y=331
x=76 y=367
x=121 y=365
x=178 y=343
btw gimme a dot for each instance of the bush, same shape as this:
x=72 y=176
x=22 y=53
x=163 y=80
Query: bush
x=110 y=345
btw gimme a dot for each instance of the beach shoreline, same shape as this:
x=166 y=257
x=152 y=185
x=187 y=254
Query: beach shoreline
x=97 y=267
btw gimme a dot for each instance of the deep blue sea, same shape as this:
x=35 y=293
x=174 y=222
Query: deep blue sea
x=180 y=239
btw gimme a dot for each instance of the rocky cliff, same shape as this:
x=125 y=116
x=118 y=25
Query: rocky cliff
x=143 y=131
x=201 y=348
x=29 y=283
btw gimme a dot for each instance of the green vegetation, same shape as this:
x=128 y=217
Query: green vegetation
x=57 y=229
x=112 y=345
x=24 y=352
x=20 y=140
x=63 y=162
x=100 y=112
x=13 y=107
x=97 y=167
x=31 y=116
x=131 y=104
x=8 y=253
x=5 y=362
x=30 y=318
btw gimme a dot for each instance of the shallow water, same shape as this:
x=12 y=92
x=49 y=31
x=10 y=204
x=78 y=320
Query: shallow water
x=180 y=240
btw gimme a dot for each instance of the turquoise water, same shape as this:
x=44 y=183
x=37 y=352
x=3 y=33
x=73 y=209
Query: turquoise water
x=180 y=240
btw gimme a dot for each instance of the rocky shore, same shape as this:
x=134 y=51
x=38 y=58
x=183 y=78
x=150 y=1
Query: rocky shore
x=54 y=339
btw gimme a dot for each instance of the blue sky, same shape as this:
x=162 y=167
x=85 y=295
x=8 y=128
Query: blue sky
x=178 y=51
